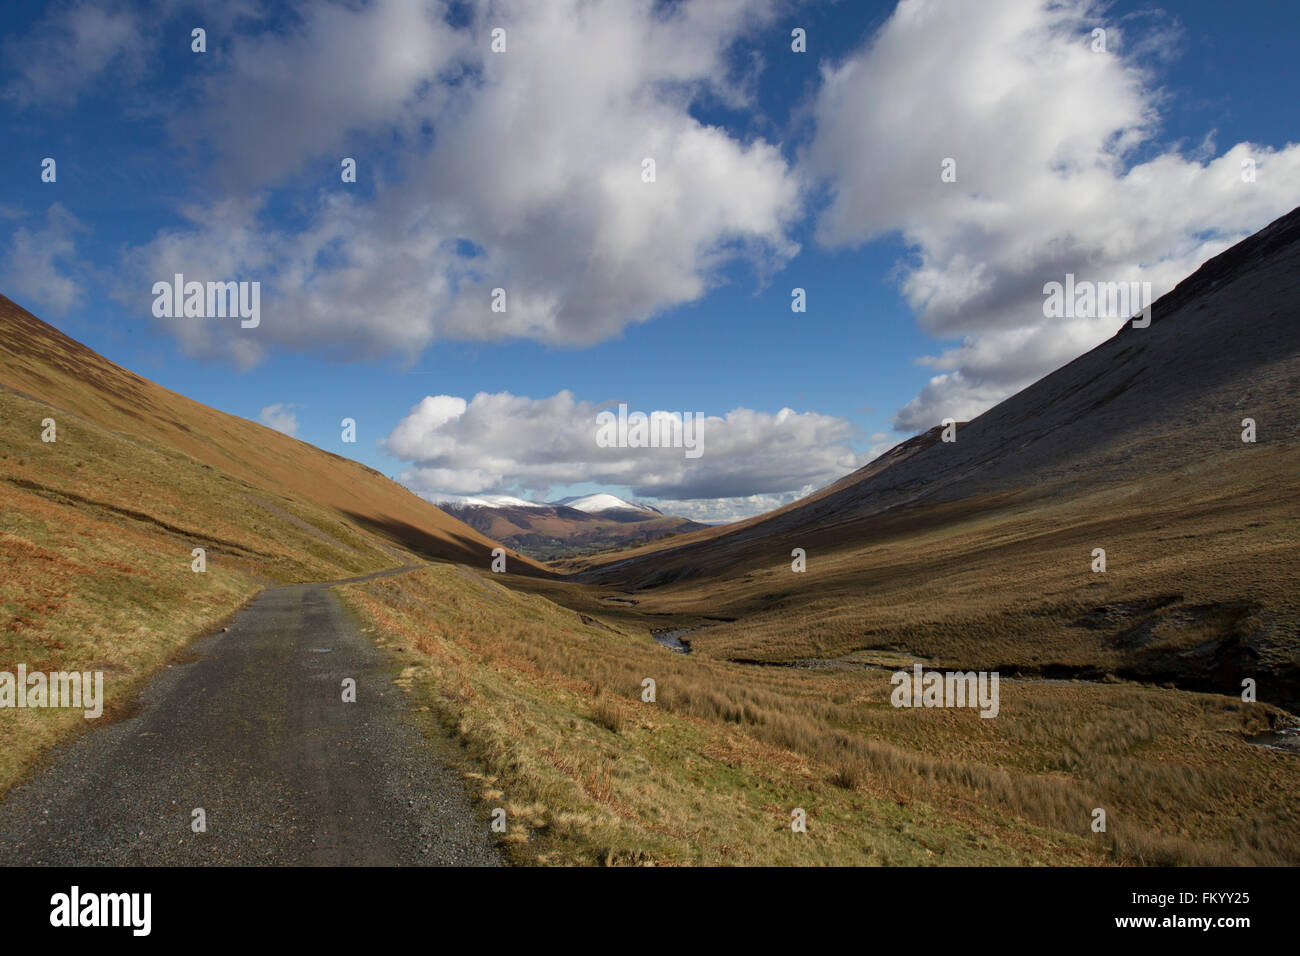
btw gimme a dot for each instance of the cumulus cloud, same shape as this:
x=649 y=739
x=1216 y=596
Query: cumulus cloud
x=507 y=443
x=40 y=265
x=1044 y=132
x=281 y=417
x=523 y=171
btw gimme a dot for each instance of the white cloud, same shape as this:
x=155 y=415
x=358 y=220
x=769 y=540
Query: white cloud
x=535 y=158
x=229 y=249
x=281 y=417
x=1044 y=132
x=506 y=443
x=40 y=265
x=282 y=99
x=75 y=46
x=724 y=510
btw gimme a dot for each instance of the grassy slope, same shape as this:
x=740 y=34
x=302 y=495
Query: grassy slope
x=1203 y=554
x=978 y=556
x=42 y=363
x=549 y=708
x=99 y=525
x=95 y=558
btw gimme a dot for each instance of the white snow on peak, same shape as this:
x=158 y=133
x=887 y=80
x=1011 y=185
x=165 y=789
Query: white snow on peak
x=591 y=504
x=594 y=504
x=499 y=501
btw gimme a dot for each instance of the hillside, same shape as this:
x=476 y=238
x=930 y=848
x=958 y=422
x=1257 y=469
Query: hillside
x=979 y=551
x=100 y=525
x=1225 y=339
x=41 y=363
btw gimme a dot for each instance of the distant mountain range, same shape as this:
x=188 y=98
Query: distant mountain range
x=573 y=525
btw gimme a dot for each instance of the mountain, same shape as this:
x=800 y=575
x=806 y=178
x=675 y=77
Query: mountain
x=498 y=501
x=570 y=526
x=980 y=551
x=601 y=503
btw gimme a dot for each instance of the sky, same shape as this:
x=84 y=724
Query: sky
x=920 y=170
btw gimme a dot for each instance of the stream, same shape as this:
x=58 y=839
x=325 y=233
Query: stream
x=673 y=639
x=1286 y=740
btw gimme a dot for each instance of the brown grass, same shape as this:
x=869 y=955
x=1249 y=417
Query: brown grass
x=1203 y=555
x=95 y=560
x=550 y=711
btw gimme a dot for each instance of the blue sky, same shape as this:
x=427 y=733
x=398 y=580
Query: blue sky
x=520 y=169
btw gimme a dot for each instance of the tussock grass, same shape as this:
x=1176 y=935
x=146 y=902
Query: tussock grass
x=1197 y=554
x=550 y=714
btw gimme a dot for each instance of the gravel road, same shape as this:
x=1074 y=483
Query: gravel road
x=255 y=731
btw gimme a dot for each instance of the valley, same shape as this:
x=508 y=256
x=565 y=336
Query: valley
x=1143 y=689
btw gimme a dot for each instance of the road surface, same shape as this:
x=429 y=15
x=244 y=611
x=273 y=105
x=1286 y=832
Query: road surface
x=255 y=732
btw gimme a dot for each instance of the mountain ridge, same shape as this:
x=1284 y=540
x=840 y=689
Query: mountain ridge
x=909 y=472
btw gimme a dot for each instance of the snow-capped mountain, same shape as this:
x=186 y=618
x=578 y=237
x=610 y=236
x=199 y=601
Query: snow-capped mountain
x=496 y=501
x=569 y=526
x=595 y=504
x=590 y=504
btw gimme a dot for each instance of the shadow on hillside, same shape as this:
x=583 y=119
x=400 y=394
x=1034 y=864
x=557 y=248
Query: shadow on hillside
x=454 y=547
